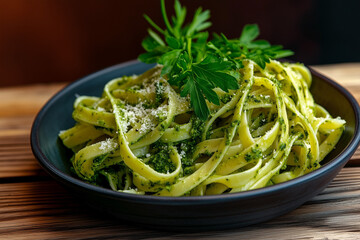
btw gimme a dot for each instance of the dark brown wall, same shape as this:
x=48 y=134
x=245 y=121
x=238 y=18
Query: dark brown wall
x=63 y=40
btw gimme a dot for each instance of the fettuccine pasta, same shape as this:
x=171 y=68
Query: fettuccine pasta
x=142 y=137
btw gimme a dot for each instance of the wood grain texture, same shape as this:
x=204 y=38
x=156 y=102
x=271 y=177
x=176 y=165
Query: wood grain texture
x=19 y=107
x=27 y=100
x=33 y=206
x=16 y=158
x=44 y=210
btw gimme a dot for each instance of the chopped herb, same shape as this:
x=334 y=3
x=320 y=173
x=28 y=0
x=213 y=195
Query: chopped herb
x=226 y=98
x=159 y=93
x=161 y=160
x=309 y=155
x=282 y=146
x=253 y=154
x=281 y=121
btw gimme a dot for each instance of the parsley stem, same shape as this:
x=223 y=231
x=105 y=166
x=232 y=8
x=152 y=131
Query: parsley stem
x=154 y=25
x=166 y=20
x=189 y=47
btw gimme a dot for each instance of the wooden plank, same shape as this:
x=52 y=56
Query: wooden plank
x=44 y=210
x=27 y=100
x=16 y=158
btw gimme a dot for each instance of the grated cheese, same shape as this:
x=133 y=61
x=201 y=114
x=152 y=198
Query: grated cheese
x=108 y=144
x=100 y=109
x=147 y=117
x=182 y=154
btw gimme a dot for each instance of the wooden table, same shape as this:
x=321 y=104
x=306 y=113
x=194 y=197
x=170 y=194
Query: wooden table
x=34 y=206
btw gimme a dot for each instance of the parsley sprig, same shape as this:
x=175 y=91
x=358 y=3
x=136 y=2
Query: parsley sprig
x=195 y=65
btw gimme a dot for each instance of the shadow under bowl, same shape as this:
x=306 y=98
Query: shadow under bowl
x=189 y=213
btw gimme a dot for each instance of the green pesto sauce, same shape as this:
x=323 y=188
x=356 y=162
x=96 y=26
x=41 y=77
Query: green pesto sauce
x=189 y=145
x=282 y=146
x=160 y=161
x=253 y=154
x=226 y=98
x=159 y=93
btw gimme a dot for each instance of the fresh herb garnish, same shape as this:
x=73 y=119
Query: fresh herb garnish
x=197 y=66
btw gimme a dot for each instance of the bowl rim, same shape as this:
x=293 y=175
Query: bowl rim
x=63 y=177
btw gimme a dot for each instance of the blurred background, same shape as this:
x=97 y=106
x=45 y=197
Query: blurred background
x=43 y=41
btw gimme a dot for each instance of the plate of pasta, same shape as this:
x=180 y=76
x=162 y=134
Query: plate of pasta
x=198 y=136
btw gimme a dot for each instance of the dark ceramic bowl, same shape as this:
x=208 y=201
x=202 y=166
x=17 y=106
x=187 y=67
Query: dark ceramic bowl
x=189 y=213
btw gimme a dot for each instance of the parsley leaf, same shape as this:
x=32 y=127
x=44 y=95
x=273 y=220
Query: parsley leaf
x=246 y=47
x=197 y=100
x=210 y=71
x=249 y=33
